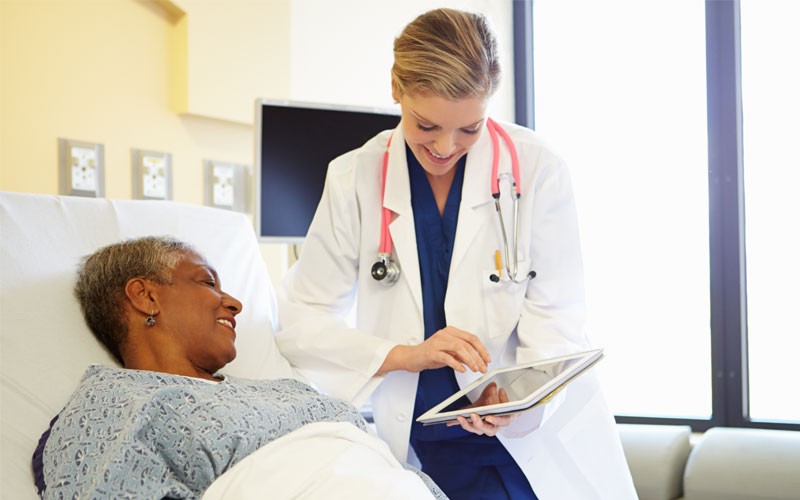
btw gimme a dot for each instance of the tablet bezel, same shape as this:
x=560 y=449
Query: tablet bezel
x=588 y=359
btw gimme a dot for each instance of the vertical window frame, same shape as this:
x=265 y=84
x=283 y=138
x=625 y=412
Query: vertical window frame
x=524 y=113
x=726 y=213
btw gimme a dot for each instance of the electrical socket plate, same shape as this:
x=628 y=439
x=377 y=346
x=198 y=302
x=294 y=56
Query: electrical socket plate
x=80 y=167
x=152 y=175
x=226 y=185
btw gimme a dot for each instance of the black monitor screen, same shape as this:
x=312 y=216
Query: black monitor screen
x=294 y=144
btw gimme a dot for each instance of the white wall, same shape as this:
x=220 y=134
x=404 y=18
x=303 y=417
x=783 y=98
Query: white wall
x=341 y=51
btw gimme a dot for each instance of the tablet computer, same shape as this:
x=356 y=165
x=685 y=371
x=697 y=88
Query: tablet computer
x=527 y=385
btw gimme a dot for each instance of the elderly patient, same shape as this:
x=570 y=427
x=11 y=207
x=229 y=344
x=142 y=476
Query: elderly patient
x=168 y=424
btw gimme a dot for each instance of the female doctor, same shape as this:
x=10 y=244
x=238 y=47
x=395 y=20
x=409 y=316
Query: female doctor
x=409 y=228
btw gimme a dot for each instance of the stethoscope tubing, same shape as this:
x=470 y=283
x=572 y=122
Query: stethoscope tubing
x=386 y=214
x=496 y=132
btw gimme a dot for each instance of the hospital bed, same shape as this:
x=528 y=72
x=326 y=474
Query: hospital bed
x=44 y=344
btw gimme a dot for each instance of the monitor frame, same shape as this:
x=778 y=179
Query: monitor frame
x=257 y=173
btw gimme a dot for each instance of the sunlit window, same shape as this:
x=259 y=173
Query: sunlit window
x=771 y=130
x=620 y=92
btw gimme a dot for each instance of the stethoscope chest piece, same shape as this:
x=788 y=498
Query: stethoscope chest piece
x=385 y=270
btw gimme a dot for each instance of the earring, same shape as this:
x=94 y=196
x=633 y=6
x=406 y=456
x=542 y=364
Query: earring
x=150 y=320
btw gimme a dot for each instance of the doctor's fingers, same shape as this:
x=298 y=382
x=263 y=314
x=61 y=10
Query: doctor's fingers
x=500 y=420
x=476 y=425
x=488 y=396
x=475 y=345
x=461 y=353
x=444 y=358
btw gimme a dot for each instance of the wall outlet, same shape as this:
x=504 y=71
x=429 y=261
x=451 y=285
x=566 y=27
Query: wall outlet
x=81 y=168
x=227 y=185
x=152 y=175
x=222 y=190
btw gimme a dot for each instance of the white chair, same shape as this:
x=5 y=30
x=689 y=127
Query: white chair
x=730 y=463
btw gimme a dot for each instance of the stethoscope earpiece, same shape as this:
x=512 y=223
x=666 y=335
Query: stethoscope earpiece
x=494 y=278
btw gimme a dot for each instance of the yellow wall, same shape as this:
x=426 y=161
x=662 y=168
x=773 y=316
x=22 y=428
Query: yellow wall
x=181 y=76
x=103 y=71
x=236 y=50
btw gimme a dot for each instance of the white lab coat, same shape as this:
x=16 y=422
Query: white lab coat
x=569 y=450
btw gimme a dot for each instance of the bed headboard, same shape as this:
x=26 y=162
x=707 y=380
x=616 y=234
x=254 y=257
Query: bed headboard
x=44 y=343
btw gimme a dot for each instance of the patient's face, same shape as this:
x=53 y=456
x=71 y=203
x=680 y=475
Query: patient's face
x=199 y=315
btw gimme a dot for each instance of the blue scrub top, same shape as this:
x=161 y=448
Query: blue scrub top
x=463 y=464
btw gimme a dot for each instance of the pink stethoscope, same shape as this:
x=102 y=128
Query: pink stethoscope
x=386 y=271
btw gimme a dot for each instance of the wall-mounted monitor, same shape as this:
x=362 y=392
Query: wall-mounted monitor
x=294 y=143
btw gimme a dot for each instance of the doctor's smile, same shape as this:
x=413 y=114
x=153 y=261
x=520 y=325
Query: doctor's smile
x=437 y=158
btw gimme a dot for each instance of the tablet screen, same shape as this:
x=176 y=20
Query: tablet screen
x=519 y=383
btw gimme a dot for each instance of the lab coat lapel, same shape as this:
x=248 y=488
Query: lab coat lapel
x=397 y=198
x=476 y=200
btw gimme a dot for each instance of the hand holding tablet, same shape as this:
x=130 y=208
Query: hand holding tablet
x=492 y=423
x=514 y=389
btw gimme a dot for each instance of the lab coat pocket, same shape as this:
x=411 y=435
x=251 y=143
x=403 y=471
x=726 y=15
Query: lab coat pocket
x=502 y=301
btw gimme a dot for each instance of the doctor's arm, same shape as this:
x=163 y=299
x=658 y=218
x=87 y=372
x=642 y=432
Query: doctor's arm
x=449 y=346
x=317 y=293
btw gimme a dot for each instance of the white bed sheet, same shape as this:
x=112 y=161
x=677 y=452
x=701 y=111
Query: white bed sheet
x=330 y=460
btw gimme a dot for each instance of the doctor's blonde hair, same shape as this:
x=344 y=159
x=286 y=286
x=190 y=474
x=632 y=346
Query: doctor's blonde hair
x=447 y=53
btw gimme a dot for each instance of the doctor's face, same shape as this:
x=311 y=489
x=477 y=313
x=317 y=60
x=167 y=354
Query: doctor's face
x=440 y=131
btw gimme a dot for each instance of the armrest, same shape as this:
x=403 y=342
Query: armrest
x=656 y=456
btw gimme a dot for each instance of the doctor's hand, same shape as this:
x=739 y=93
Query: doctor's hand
x=491 y=424
x=449 y=346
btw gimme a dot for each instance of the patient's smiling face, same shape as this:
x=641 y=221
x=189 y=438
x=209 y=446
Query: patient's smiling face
x=198 y=314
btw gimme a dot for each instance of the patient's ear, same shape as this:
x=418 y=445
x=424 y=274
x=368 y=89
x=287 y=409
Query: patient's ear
x=141 y=294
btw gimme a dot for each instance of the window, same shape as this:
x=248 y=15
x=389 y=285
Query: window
x=770 y=107
x=624 y=104
x=642 y=101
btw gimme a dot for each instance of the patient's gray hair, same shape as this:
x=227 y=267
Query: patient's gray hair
x=102 y=277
